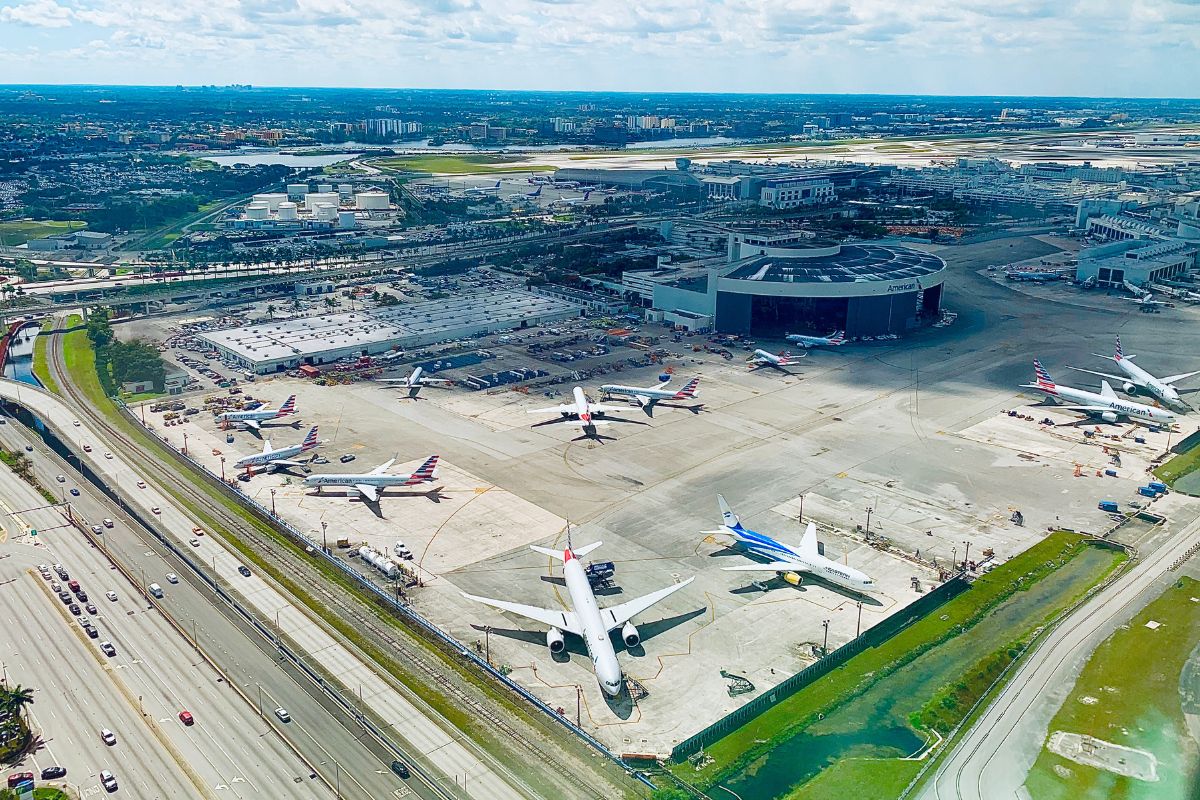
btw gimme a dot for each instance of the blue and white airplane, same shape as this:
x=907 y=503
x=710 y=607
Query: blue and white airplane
x=482 y=189
x=832 y=340
x=786 y=561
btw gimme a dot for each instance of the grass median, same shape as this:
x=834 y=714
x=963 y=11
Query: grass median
x=855 y=726
x=41 y=366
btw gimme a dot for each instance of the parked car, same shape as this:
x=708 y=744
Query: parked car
x=50 y=773
x=346 y=459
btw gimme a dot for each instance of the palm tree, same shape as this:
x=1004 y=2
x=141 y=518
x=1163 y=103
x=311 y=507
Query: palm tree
x=15 y=699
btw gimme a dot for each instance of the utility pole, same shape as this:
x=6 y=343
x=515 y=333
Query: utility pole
x=272 y=502
x=869 y=510
x=578 y=706
x=858 y=628
x=825 y=645
x=966 y=554
x=801 y=520
x=324 y=544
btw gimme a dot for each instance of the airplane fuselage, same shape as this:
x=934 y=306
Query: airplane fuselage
x=633 y=391
x=380 y=481
x=594 y=631
x=1144 y=380
x=1116 y=406
x=262 y=459
x=841 y=575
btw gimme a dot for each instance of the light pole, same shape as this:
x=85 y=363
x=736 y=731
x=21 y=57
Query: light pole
x=869 y=510
x=578 y=706
x=222 y=469
x=487 y=639
x=954 y=557
x=858 y=628
x=801 y=508
x=825 y=645
x=185 y=452
x=966 y=554
x=324 y=544
x=272 y=502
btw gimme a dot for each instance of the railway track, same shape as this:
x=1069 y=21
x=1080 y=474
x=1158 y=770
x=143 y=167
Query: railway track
x=405 y=651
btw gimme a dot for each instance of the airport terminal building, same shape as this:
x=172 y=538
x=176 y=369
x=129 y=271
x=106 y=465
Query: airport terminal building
x=771 y=285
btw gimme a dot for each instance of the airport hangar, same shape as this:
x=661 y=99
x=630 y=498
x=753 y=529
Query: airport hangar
x=772 y=284
x=281 y=345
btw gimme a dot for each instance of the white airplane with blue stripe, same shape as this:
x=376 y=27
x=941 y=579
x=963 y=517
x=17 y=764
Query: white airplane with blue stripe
x=786 y=561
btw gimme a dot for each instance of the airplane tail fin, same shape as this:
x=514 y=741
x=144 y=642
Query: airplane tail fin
x=728 y=518
x=1119 y=355
x=586 y=195
x=1044 y=381
x=288 y=407
x=689 y=390
x=808 y=545
x=839 y=337
x=310 y=441
x=424 y=472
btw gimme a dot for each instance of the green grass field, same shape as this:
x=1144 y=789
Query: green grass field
x=456 y=164
x=80 y=361
x=947 y=659
x=21 y=231
x=1129 y=694
x=41 y=367
x=1178 y=467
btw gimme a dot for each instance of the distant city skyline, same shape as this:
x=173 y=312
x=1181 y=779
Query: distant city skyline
x=1101 y=48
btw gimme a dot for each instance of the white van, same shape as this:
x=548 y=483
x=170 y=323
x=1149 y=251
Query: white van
x=108 y=523
x=156 y=590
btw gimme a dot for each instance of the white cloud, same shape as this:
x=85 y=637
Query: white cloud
x=37 y=14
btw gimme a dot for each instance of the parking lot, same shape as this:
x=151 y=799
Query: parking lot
x=914 y=434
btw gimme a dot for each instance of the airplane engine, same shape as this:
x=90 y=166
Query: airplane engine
x=630 y=634
x=1129 y=388
x=1109 y=416
x=555 y=640
x=794 y=578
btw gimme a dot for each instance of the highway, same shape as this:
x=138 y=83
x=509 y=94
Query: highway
x=439 y=748
x=991 y=760
x=333 y=743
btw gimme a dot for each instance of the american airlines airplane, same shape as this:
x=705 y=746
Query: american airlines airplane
x=583 y=411
x=1138 y=381
x=368 y=484
x=585 y=618
x=648 y=397
x=572 y=201
x=1106 y=405
x=275 y=459
x=254 y=419
x=415 y=382
x=761 y=358
x=787 y=561
x=483 y=189
x=834 y=339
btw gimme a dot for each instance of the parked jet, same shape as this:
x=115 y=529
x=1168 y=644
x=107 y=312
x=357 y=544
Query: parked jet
x=535 y=193
x=786 y=561
x=649 y=397
x=368 y=484
x=1106 y=405
x=761 y=358
x=583 y=411
x=415 y=382
x=572 y=201
x=832 y=340
x=272 y=460
x=1138 y=381
x=483 y=189
x=254 y=419
x=1142 y=297
x=585 y=618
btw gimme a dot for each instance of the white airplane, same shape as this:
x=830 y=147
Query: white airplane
x=648 y=397
x=1106 y=405
x=585 y=618
x=761 y=358
x=786 y=561
x=832 y=340
x=274 y=459
x=1137 y=381
x=1142 y=297
x=483 y=189
x=582 y=410
x=416 y=381
x=572 y=201
x=254 y=419
x=368 y=484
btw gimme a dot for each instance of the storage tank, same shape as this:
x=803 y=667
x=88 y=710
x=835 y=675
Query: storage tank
x=345 y=190
x=258 y=211
x=346 y=219
x=313 y=198
x=372 y=201
x=325 y=212
x=364 y=553
x=272 y=199
x=324 y=188
x=288 y=211
x=296 y=191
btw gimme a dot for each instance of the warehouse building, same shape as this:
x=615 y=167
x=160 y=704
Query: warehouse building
x=1136 y=262
x=287 y=344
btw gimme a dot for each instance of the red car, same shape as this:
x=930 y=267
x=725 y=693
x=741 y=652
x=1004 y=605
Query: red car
x=18 y=778
x=186 y=718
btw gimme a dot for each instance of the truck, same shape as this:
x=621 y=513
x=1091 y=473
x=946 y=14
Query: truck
x=1109 y=507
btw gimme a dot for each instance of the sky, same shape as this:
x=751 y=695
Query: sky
x=1109 y=48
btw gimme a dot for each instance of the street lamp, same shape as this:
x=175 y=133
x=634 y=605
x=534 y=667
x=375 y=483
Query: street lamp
x=801 y=509
x=222 y=469
x=966 y=554
x=185 y=452
x=825 y=645
x=324 y=544
x=487 y=639
x=858 y=627
x=869 y=510
x=272 y=502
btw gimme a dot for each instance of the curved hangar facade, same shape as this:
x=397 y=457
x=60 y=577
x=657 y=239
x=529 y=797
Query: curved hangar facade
x=865 y=289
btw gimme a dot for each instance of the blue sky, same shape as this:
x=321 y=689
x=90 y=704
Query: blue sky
x=1039 y=47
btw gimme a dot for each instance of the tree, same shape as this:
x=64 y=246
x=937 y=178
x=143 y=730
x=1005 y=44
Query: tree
x=271 y=310
x=15 y=700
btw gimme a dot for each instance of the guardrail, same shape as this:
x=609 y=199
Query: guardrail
x=389 y=600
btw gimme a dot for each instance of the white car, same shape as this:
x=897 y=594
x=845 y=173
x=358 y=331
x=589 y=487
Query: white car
x=108 y=737
x=141 y=484
x=283 y=715
x=107 y=454
x=75 y=422
x=111 y=596
x=194 y=542
x=97 y=529
x=172 y=577
x=108 y=781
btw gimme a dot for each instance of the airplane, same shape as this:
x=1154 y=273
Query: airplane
x=573 y=201
x=274 y=459
x=832 y=340
x=761 y=358
x=787 y=561
x=585 y=618
x=482 y=189
x=392 y=356
x=254 y=419
x=648 y=397
x=535 y=193
x=583 y=410
x=1106 y=405
x=368 y=484
x=1147 y=301
x=415 y=382
x=1138 y=381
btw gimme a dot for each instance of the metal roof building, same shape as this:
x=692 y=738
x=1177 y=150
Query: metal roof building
x=286 y=344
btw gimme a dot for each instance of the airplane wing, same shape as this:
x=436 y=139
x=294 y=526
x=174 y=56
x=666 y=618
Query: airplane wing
x=253 y=423
x=642 y=400
x=368 y=491
x=287 y=462
x=384 y=467
x=436 y=381
x=565 y=408
x=563 y=620
x=617 y=616
x=771 y=566
x=1179 y=377
x=1084 y=408
x=1101 y=374
x=602 y=409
